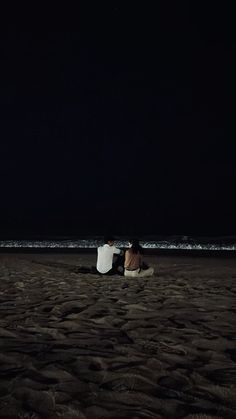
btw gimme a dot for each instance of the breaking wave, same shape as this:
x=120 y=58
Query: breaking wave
x=181 y=243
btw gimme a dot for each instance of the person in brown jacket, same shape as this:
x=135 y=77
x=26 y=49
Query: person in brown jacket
x=134 y=265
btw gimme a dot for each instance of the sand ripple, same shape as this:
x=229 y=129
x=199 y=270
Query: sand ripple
x=77 y=345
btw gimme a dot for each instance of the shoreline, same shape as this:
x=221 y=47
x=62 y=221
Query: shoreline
x=155 y=252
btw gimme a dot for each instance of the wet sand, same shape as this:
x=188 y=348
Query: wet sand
x=76 y=345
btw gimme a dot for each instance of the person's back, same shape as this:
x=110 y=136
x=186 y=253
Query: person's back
x=133 y=260
x=105 y=256
x=134 y=266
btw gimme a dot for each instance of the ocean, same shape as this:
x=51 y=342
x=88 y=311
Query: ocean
x=226 y=243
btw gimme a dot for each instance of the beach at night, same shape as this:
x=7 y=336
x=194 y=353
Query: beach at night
x=118 y=155
x=81 y=345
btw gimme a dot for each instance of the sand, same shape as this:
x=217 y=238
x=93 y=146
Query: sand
x=76 y=345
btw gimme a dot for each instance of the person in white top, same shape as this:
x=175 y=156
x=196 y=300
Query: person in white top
x=106 y=263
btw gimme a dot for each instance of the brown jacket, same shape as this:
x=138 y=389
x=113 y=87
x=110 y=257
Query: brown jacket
x=132 y=260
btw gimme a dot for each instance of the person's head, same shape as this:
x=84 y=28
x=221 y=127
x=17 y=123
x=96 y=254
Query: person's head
x=135 y=246
x=109 y=240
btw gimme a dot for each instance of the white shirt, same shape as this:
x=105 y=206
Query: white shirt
x=105 y=257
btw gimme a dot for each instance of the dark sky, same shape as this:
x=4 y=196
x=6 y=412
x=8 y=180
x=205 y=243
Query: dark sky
x=118 y=119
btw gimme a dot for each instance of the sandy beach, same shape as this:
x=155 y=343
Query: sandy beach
x=76 y=345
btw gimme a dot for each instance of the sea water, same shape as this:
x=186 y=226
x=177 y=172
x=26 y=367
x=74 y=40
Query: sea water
x=171 y=242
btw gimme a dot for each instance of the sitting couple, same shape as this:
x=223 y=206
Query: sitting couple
x=111 y=260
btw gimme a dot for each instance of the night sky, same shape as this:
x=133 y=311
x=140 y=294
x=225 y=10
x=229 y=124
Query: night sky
x=118 y=119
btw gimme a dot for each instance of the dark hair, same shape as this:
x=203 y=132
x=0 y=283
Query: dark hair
x=108 y=239
x=136 y=247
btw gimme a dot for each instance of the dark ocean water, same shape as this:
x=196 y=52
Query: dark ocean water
x=171 y=242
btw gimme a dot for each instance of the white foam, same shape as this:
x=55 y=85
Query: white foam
x=91 y=244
